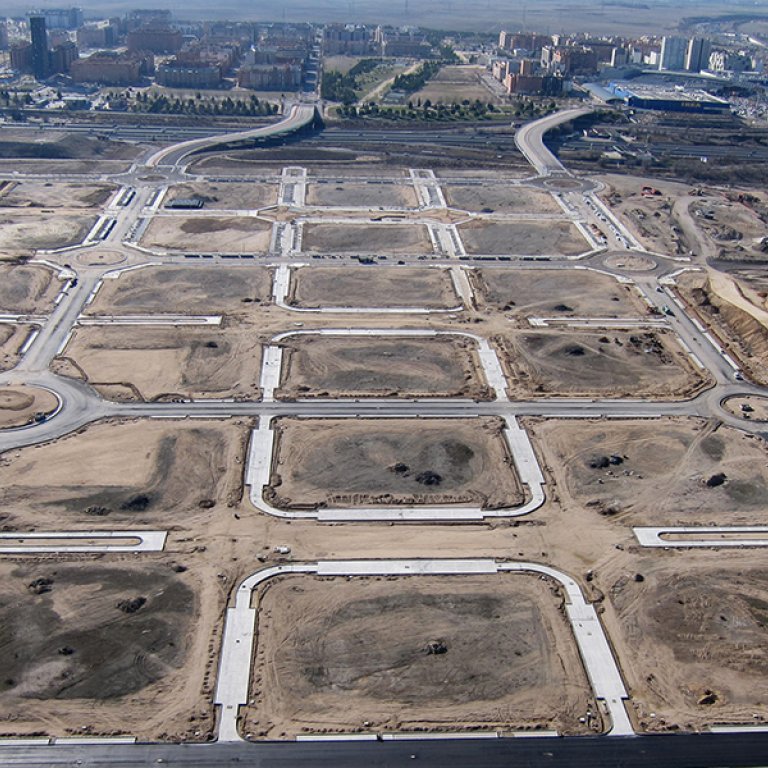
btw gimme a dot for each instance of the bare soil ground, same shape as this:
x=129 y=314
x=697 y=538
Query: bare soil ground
x=380 y=287
x=651 y=219
x=122 y=474
x=522 y=238
x=736 y=228
x=38 y=194
x=745 y=336
x=24 y=232
x=605 y=364
x=368 y=238
x=166 y=362
x=662 y=473
x=19 y=404
x=693 y=640
x=26 y=289
x=73 y=655
x=399 y=461
x=192 y=290
x=341 y=194
x=333 y=654
x=208 y=234
x=751 y=407
x=456 y=84
x=12 y=338
x=322 y=366
x=499 y=198
x=555 y=293
x=227 y=195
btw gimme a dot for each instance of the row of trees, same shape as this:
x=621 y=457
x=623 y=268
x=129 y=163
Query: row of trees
x=416 y=80
x=162 y=104
x=343 y=87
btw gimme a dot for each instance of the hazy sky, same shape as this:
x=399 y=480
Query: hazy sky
x=632 y=16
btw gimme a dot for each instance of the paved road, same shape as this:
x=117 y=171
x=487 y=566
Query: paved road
x=299 y=116
x=745 y=750
x=530 y=140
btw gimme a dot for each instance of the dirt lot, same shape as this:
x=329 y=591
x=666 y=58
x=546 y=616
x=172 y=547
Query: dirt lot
x=33 y=194
x=693 y=639
x=208 y=234
x=456 y=84
x=26 y=289
x=662 y=473
x=137 y=473
x=24 y=232
x=189 y=290
x=745 y=334
x=77 y=650
x=166 y=362
x=556 y=293
x=227 y=195
x=522 y=238
x=651 y=218
x=19 y=404
x=604 y=364
x=333 y=654
x=380 y=287
x=366 y=238
x=446 y=366
x=398 y=461
x=12 y=338
x=499 y=198
x=736 y=228
x=341 y=194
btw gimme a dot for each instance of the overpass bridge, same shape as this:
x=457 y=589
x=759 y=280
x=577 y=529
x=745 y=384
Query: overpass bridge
x=299 y=117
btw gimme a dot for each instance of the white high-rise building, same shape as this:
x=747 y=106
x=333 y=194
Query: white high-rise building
x=673 y=50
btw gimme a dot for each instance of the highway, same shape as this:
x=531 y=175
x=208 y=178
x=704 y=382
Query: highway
x=530 y=140
x=299 y=116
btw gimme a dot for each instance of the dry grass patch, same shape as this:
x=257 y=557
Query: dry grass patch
x=208 y=234
x=522 y=238
x=366 y=238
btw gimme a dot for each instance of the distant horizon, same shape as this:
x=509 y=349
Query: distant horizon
x=629 y=17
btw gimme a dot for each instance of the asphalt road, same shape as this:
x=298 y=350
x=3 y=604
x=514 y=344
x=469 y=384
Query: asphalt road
x=747 y=750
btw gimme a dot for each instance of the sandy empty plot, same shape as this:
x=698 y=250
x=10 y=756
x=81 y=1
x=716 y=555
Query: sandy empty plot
x=72 y=655
x=366 y=238
x=12 y=338
x=38 y=194
x=340 y=462
x=333 y=654
x=522 y=238
x=29 y=231
x=189 y=290
x=499 y=198
x=661 y=472
x=142 y=473
x=556 y=293
x=18 y=405
x=380 y=287
x=208 y=234
x=445 y=366
x=164 y=362
x=693 y=640
x=455 y=84
x=342 y=194
x=609 y=364
x=27 y=289
x=227 y=195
